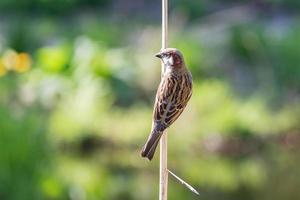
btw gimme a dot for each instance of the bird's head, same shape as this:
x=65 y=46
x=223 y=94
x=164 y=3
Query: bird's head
x=171 y=57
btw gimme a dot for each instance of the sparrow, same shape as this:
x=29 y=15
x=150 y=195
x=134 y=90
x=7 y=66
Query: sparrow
x=172 y=96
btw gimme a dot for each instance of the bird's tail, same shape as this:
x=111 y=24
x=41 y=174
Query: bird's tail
x=151 y=144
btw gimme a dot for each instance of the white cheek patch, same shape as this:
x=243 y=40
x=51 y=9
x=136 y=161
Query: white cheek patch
x=171 y=60
x=168 y=60
x=165 y=60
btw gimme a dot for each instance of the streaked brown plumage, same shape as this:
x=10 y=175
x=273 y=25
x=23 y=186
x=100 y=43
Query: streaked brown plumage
x=173 y=93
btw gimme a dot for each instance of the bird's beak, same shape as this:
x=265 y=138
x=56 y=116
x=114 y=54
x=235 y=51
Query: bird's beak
x=158 y=55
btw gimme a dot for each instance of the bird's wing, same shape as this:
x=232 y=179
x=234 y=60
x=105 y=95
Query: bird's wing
x=171 y=99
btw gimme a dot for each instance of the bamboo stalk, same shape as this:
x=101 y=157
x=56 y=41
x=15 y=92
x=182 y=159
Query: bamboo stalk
x=163 y=167
x=163 y=172
x=164 y=30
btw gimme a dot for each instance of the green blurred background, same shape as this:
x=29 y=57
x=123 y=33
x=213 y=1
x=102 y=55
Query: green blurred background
x=77 y=85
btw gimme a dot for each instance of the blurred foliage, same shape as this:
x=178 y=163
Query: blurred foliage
x=77 y=83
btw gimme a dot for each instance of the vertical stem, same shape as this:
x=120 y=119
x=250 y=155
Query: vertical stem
x=163 y=169
x=164 y=28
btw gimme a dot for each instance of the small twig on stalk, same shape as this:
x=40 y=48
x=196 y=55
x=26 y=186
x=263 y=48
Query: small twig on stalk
x=163 y=167
x=184 y=183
